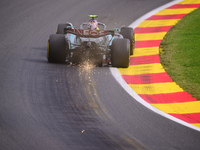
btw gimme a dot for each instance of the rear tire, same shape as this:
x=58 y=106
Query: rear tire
x=120 y=53
x=128 y=33
x=56 y=51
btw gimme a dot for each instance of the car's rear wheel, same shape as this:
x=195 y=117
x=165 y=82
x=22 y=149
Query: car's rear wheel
x=128 y=33
x=56 y=51
x=120 y=53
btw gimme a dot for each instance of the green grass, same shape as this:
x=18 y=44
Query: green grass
x=180 y=53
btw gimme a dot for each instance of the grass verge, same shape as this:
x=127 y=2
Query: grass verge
x=180 y=53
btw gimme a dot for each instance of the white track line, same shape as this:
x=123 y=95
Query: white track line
x=130 y=91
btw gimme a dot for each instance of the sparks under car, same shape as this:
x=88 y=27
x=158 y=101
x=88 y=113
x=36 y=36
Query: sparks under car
x=91 y=42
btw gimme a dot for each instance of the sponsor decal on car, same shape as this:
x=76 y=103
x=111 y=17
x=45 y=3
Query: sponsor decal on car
x=89 y=33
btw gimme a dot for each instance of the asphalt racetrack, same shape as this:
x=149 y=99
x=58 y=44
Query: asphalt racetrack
x=47 y=106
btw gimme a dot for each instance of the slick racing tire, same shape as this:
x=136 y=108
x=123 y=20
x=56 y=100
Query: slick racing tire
x=120 y=53
x=60 y=28
x=128 y=33
x=56 y=51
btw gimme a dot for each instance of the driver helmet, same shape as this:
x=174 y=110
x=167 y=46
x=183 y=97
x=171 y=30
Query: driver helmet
x=93 y=25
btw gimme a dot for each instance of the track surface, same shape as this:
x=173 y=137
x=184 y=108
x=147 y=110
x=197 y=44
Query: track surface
x=52 y=106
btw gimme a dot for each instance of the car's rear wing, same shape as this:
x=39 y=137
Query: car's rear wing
x=89 y=33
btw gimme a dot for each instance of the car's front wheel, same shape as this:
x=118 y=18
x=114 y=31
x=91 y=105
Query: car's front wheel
x=128 y=33
x=61 y=27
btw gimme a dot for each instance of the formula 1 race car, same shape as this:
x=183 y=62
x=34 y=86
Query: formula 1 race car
x=93 y=42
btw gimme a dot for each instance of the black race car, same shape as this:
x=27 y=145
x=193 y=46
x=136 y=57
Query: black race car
x=98 y=45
